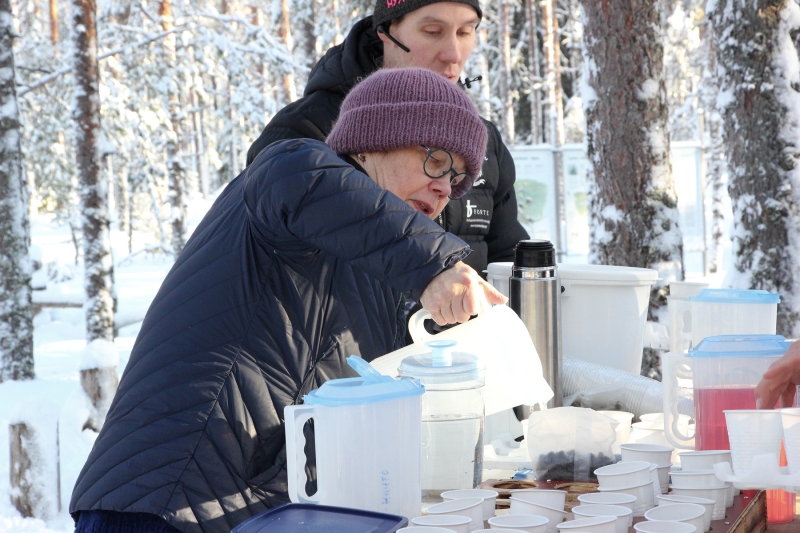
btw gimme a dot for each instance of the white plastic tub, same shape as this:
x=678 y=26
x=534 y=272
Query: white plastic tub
x=603 y=311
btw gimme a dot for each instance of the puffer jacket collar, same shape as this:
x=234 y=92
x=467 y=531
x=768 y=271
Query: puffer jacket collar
x=344 y=65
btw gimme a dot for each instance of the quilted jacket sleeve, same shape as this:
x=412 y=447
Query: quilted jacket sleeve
x=505 y=230
x=299 y=190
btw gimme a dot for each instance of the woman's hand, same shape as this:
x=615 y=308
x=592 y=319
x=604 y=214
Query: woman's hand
x=457 y=294
x=780 y=381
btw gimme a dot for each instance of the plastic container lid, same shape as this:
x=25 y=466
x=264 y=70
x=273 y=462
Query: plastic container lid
x=501 y=270
x=741 y=346
x=576 y=272
x=736 y=296
x=312 y=518
x=371 y=387
x=442 y=365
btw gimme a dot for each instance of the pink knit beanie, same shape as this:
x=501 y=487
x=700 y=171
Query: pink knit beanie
x=398 y=108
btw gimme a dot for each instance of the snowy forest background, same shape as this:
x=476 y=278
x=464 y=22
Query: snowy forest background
x=120 y=121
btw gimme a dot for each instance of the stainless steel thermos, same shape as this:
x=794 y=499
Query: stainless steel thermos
x=534 y=293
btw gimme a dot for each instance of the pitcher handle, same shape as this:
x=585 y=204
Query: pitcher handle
x=295 y=418
x=684 y=308
x=669 y=364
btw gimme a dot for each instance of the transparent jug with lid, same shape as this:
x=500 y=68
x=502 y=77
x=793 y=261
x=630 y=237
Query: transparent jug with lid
x=452 y=417
x=714 y=312
x=723 y=372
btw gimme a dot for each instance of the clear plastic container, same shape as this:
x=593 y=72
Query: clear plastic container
x=452 y=417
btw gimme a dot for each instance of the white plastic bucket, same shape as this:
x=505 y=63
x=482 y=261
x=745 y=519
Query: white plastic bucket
x=603 y=313
x=497 y=275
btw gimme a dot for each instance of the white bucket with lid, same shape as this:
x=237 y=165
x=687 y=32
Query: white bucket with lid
x=603 y=311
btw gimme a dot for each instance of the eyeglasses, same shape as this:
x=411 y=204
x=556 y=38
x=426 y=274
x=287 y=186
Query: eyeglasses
x=439 y=163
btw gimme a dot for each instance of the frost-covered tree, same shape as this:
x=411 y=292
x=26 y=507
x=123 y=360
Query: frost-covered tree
x=98 y=266
x=16 y=321
x=759 y=80
x=633 y=205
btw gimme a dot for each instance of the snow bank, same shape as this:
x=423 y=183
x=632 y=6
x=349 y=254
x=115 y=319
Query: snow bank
x=99 y=353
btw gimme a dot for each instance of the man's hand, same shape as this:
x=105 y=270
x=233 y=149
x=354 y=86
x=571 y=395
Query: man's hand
x=780 y=381
x=457 y=294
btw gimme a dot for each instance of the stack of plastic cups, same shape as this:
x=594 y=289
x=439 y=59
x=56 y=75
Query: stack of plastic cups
x=631 y=478
x=754 y=432
x=539 y=502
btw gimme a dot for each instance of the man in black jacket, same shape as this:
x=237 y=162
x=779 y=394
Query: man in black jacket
x=437 y=35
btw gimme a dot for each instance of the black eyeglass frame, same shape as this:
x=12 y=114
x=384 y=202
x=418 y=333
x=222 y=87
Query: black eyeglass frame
x=460 y=182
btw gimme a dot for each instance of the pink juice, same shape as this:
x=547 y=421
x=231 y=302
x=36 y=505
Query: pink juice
x=709 y=404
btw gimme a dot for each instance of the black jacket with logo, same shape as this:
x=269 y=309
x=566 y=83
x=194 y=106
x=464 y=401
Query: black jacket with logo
x=486 y=218
x=298 y=264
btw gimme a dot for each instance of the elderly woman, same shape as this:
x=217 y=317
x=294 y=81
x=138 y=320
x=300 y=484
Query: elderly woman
x=299 y=263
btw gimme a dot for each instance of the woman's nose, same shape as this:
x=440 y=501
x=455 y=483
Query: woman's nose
x=441 y=186
x=450 y=53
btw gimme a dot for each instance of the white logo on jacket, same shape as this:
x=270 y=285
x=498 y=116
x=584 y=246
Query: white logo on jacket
x=473 y=210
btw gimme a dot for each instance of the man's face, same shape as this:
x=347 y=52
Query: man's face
x=440 y=36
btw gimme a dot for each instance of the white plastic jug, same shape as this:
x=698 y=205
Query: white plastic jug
x=502 y=343
x=367 y=435
x=714 y=312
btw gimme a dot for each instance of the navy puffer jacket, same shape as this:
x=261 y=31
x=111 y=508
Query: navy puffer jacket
x=298 y=264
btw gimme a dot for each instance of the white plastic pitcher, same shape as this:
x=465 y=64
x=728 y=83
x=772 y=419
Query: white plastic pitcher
x=722 y=371
x=502 y=343
x=367 y=435
x=721 y=312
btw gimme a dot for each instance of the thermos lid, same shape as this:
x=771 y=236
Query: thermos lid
x=736 y=296
x=534 y=254
x=442 y=365
x=741 y=346
x=371 y=387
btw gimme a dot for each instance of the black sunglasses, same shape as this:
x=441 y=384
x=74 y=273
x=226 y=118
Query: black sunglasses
x=439 y=163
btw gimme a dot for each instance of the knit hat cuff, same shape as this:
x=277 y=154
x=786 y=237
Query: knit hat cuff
x=384 y=127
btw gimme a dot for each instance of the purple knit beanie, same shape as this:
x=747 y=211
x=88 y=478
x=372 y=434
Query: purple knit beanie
x=387 y=10
x=398 y=108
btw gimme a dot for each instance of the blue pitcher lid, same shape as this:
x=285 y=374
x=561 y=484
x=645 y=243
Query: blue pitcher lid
x=442 y=365
x=736 y=296
x=371 y=387
x=741 y=346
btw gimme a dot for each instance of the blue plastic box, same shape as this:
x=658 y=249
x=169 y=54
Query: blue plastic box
x=310 y=518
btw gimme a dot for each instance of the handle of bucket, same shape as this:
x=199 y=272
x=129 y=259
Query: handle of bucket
x=671 y=364
x=296 y=417
x=416 y=324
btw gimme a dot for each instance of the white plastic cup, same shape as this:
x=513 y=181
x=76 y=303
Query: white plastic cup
x=664 y=527
x=623 y=429
x=689 y=513
x=425 y=529
x=521 y=522
x=472 y=508
x=495 y=531
x=645 y=498
x=489 y=498
x=623 y=474
x=455 y=523
x=669 y=499
x=753 y=432
x=790 y=419
x=652 y=453
x=717 y=494
x=704 y=459
x=608 y=498
x=695 y=479
x=554 y=516
x=623 y=516
x=595 y=524
x=546 y=497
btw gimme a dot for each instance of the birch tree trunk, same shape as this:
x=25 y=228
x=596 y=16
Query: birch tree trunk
x=175 y=171
x=535 y=72
x=760 y=108
x=504 y=38
x=54 y=24
x=633 y=205
x=98 y=266
x=16 y=320
x=714 y=146
x=285 y=32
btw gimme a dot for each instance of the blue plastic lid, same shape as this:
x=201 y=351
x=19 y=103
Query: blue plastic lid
x=736 y=296
x=311 y=518
x=442 y=365
x=371 y=387
x=741 y=346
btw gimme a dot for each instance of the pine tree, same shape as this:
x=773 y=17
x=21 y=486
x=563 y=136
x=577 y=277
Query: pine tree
x=633 y=204
x=98 y=266
x=758 y=66
x=16 y=321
